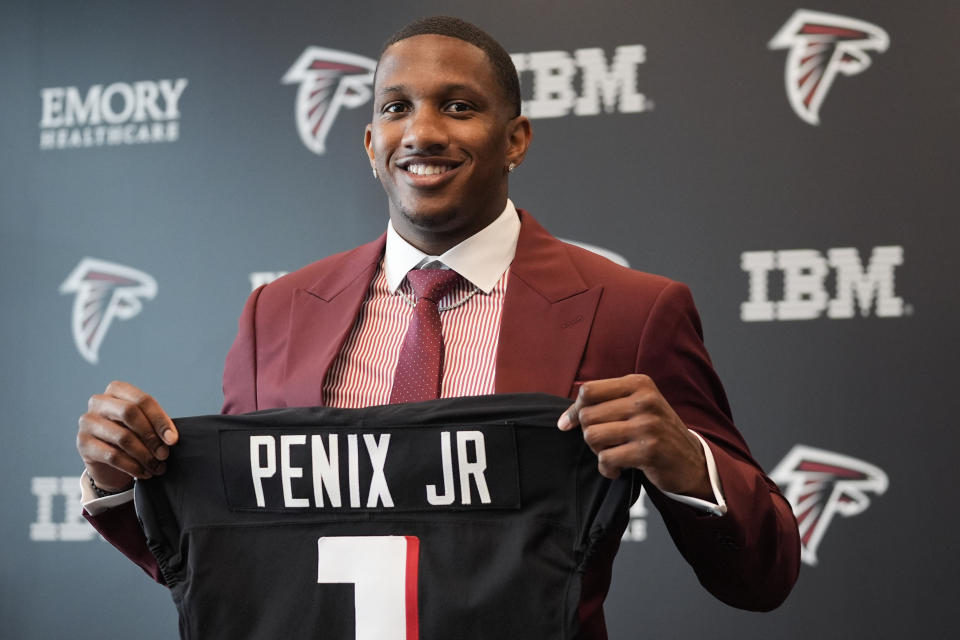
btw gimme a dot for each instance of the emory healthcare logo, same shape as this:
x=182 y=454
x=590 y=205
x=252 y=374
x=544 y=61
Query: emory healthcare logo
x=820 y=484
x=119 y=114
x=330 y=80
x=103 y=291
x=821 y=45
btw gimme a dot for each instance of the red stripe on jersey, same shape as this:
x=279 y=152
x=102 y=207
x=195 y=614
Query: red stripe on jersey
x=411 y=582
x=362 y=374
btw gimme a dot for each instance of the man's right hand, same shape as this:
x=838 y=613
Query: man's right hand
x=124 y=435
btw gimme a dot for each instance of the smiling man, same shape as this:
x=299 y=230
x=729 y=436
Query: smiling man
x=520 y=312
x=445 y=133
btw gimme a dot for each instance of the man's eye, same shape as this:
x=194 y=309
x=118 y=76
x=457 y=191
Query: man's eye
x=459 y=107
x=395 y=107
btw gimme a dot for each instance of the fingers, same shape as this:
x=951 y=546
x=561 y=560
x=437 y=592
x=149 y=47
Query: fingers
x=627 y=423
x=130 y=419
x=626 y=444
x=594 y=401
x=611 y=461
x=124 y=434
x=157 y=419
x=98 y=455
x=105 y=441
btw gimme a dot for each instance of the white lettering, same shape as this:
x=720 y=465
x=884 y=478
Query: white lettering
x=125 y=93
x=379 y=492
x=758 y=264
x=553 y=94
x=72 y=118
x=44 y=528
x=877 y=282
x=607 y=84
x=447 y=458
x=73 y=527
x=171 y=95
x=636 y=530
x=258 y=472
x=353 y=471
x=52 y=112
x=326 y=470
x=475 y=468
x=47 y=139
x=288 y=472
x=805 y=294
x=146 y=93
x=82 y=111
x=553 y=76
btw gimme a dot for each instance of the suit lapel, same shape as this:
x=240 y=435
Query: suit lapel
x=321 y=318
x=548 y=311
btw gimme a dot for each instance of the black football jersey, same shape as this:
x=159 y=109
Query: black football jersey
x=455 y=518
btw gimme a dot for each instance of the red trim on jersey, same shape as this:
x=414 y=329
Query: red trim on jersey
x=413 y=562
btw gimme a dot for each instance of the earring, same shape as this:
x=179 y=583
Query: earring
x=511 y=167
x=375 y=174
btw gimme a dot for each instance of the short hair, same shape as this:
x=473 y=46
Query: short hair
x=503 y=68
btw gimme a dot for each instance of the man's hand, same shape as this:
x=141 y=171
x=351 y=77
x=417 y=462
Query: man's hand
x=629 y=424
x=125 y=434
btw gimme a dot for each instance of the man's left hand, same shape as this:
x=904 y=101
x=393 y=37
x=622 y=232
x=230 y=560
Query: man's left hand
x=629 y=424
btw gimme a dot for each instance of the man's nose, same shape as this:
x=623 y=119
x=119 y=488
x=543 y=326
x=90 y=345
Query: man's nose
x=426 y=131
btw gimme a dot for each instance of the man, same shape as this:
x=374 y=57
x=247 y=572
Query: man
x=531 y=314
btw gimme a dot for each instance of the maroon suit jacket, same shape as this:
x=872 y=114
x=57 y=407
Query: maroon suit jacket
x=569 y=316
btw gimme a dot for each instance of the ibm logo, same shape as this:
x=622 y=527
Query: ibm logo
x=70 y=525
x=805 y=295
x=604 y=87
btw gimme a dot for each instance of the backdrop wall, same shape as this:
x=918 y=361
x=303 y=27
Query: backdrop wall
x=790 y=163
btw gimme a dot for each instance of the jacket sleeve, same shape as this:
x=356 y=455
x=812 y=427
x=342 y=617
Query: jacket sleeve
x=750 y=557
x=121 y=528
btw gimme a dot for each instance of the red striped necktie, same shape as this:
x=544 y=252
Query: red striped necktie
x=421 y=357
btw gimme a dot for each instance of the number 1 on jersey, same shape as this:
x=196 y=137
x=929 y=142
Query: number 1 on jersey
x=383 y=571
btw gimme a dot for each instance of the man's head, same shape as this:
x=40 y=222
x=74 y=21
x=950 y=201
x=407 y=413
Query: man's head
x=445 y=130
x=502 y=64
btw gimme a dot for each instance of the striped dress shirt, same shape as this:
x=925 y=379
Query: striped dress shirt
x=362 y=374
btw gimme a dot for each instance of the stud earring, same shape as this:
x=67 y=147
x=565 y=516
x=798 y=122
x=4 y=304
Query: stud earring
x=375 y=174
x=511 y=167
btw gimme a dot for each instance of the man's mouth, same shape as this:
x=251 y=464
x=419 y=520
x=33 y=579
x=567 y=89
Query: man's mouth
x=427 y=167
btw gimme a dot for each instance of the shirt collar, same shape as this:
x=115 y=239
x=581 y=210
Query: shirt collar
x=481 y=259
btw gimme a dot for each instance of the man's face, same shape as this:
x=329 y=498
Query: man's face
x=441 y=138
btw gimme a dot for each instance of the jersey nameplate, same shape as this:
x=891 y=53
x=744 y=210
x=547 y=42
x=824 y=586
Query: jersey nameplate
x=334 y=469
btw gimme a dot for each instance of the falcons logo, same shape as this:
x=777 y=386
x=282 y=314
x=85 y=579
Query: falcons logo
x=822 y=45
x=329 y=80
x=820 y=484
x=104 y=291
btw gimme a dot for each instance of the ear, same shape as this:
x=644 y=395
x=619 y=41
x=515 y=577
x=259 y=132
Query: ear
x=368 y=145
x=519 y=136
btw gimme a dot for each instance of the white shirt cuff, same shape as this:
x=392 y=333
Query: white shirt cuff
x=717 y=508
x=94 y=505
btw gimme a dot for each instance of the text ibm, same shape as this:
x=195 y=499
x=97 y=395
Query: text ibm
x=805 y=295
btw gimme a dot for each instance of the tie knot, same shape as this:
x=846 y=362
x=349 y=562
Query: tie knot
x=432 y=284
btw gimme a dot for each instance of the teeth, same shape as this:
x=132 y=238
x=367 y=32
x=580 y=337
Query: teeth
x=427 y=169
